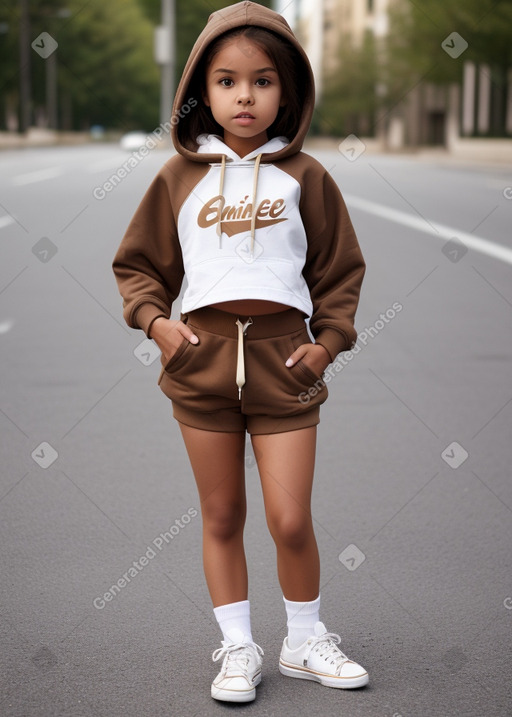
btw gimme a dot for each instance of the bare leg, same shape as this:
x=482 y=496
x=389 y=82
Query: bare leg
x=217 y=460
x=286 y=464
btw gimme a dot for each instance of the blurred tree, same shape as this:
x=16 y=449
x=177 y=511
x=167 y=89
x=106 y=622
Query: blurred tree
x=349 y=101
x=418 y=30
x=106 y=71
x=9 y=62
x=108 y=65
x=152 y=10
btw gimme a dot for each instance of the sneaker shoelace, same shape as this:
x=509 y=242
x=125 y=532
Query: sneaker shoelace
x=235 y=654
x=326 y=646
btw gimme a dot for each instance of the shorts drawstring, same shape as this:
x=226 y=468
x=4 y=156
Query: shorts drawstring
x=240 y=364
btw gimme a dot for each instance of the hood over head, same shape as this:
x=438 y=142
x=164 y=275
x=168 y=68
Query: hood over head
x=188 y=94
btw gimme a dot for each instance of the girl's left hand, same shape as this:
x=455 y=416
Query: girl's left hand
x=315 y=356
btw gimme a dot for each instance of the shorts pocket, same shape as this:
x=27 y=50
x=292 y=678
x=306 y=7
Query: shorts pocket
x=297 y=340
x=175 y=360
x=201 y=377
x=273 y=388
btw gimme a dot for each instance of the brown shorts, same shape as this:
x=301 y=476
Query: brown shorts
x=201 y=379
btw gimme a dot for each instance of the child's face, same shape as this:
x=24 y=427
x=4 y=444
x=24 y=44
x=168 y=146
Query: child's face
x=243 y=91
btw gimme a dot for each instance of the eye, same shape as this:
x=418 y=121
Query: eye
x=262 y=82
x=226 y=82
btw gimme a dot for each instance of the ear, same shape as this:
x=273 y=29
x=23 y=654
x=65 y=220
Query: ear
x=282 y=102
x=205 y=98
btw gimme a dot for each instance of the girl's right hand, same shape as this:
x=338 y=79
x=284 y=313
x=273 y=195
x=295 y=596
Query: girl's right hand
x=169 y=334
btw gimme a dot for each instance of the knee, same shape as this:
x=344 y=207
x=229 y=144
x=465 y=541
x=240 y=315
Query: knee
x=291 y=531
x=223 y=522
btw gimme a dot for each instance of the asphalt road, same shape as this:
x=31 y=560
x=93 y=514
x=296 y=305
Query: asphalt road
x=413 y=493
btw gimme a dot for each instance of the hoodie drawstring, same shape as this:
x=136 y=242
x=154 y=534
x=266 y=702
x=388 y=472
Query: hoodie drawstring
x=221 y=190
x=254 y=193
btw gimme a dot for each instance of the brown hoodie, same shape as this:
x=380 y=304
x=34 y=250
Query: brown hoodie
x=229 y=18
x=189 y=223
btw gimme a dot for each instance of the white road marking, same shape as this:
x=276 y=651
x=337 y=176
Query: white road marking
x=40 y=176
x=6 y=326
x=444 y=233
x=6 y=221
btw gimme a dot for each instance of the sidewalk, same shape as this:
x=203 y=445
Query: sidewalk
x=462 y=151
x=495 y=152
x=36 y=137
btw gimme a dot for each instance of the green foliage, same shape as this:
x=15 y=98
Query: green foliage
x=415 y=52
x=152 y=10
x=108 y=65
x=106 y=71
x=349 y=100
x=418 y=29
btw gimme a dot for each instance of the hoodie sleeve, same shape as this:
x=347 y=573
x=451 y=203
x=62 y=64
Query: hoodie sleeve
x=148 y=264
x=334 y=267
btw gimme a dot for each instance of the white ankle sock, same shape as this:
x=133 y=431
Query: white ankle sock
x=235 y=615
x=302 y=617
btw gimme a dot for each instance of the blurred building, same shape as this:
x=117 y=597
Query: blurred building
x=429 y=114
x=321 y=25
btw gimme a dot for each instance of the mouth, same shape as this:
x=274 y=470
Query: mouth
x=244 y=115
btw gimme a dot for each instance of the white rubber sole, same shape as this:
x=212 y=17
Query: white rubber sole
x=225 y=695
x=343 y=683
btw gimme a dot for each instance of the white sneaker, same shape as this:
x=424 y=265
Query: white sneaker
x=320 y=659
x=241 y=669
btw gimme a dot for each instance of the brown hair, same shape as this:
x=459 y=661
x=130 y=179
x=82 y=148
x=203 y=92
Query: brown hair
x=289 y=65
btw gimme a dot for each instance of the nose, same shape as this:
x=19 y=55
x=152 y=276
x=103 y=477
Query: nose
x=245 y=98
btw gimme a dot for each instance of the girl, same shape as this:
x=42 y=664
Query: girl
x=261 y=233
